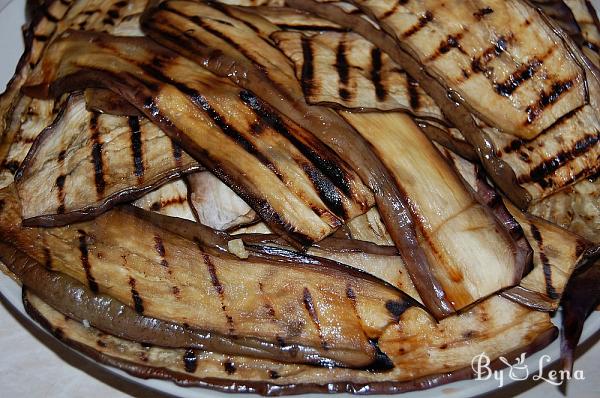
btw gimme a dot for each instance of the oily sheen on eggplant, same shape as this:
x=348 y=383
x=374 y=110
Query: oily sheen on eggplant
x=95 y=162
x=164 y=275
x=173 y=19
x=297 y=185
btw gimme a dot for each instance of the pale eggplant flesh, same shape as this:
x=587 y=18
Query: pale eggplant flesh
x=103 y=312
x=199 y=23
x=85 y=163
x=298 y=186
x=519 y=331
x=167 y=276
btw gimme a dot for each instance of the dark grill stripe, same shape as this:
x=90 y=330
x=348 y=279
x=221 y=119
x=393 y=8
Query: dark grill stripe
x=343 y=70
x=423 y=21
x=310 y=307
x=396 y=308
x=229 y=366
x=85 y=261
x=393 y=10
x=220 y=290
x=518 y=77
x=479 y=63
x=376 y=63
x=160 y=249
x=97 y=156
x=190 y=361
x=136 y=146
x=177 y=153
x=550 y=165
x=138 y=303
x=412 y=87
x=451 y=41
x=482 y=12
x=547 y=99
x=547 y=268
x=307 y=67
x=60 y=184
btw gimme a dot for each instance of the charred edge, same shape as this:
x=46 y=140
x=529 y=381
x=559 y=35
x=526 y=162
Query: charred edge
x=310 y=307
x=160 y=249
x=136 y=146
x=327 y=166
x=547 y=99
x=343 y=70
x=229 y=366
x=478 y=64
x=537 y=236
x=482 y=12
x=539 y=173
x=412 y=86
x=85 y=261
x=327 y=190
x=396 y=308
x=138 y=303
x=60 y=184
x=12 y=166
x=307 y=67
x=190 y=361
x=517 y=78
x=376 y=64
x=220 y=290
x=423 y=21
x=97 y=156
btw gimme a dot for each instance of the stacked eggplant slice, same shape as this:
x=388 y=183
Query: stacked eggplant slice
x=304 y=196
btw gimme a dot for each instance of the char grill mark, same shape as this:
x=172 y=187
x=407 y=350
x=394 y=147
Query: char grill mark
x=309 y=304
x=482 y=12
x=380 y=90
x=423 y=21
x=342 y=67
x=97 y=155
x=190 y=361
x=136 y=146
x=550 y=291
x=394 y=9
x=214 y=278
x=85 y=260
x=307 y=67
x=138 y=303
x=548 y=98
x=517 y=78
x=160 y=248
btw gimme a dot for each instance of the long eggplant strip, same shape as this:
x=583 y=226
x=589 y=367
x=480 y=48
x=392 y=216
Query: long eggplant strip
x=342 y=74
x=85 y=163
x=576 y=208
x=241 y=374
x=448 y=215
x=326 y=124
x=165 y=276
x=557 y=253
x=110 y=316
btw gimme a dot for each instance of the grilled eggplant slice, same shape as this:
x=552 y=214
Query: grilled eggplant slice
x=94 y=161
x=289 y=185
x=517 y=331
x=163 y=275
x=587 y=20
x=111 y=316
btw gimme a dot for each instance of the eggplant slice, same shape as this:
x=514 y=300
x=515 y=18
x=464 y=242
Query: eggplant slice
x=166 y=276
x=298 y=186
x=95 y=162
x=517 y=331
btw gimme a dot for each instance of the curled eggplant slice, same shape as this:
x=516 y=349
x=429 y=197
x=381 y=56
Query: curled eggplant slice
x=515 y=332
x=298 y=186
x=167 y=276
x=77 y=301
x=85 y=163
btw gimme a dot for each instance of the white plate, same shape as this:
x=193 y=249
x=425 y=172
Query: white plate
x=11 y=46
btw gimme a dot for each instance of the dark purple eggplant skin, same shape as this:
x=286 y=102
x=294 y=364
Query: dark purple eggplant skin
x=580 y=299
x=271 y=389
